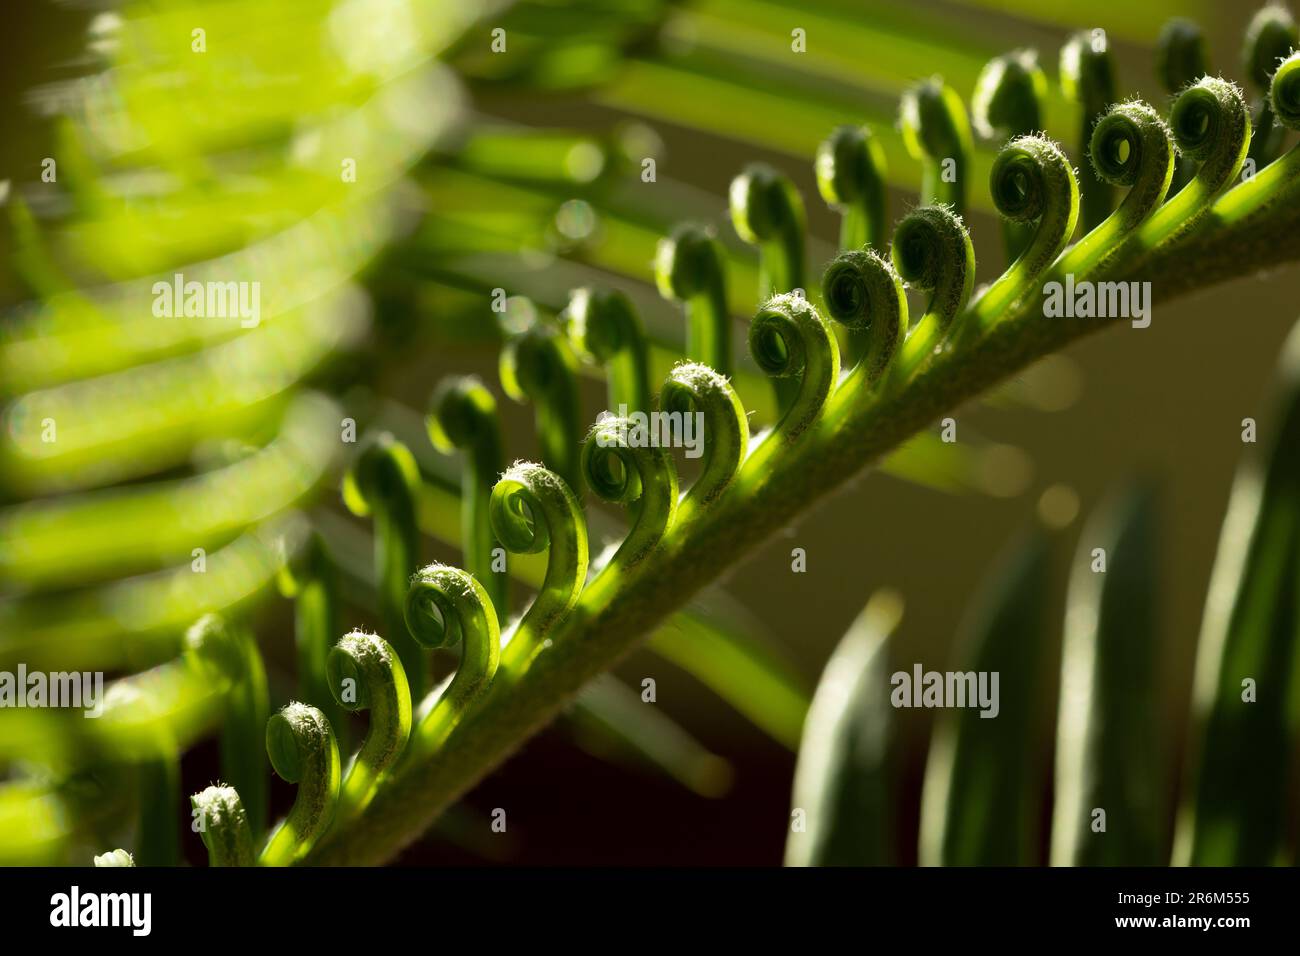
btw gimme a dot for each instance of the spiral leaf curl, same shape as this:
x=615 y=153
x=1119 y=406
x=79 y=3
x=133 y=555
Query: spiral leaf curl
x=532 y=510
x=1088 y=78
x=603 y=324
x=850 y=167
x=863 y=292
x=311 y=580
x=1181 y=60
x=689 y=268
x=691 y=388
x=383 y=482
x=302 y=749
x=1131 y=147
x=932 y=251
x=366 y=674
x=537 y=365
x=463 y=416
x=788 y=338
x=1008 y=102
x=936 y=132
x=851 y=176
x=1211 y=125
x=223 y=826
x=1284 y=93
x=1032 y=181
x=446 y=606
x=627 y=465
x=1271 y=36
x=767 y=212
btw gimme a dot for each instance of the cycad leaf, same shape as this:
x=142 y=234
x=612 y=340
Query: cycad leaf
x=843 y=778
x=977 y=806
x=1243 y=729
x=1106 y=747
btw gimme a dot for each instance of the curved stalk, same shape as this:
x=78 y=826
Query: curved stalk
x=937 y=133
x=463 y=415
x=383 y=483
x=690 y=268
x=1008 y=102
x=1261 y=219
x=1088 y=78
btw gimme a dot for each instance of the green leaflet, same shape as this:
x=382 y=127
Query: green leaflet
x=1236 y=806
x=1106 y=749
x=842 y=813
x=977 y=805
x=310 y=578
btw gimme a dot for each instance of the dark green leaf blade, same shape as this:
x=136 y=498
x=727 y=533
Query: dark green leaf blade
x=1106 y=746
x=843 y=779
x=977 y=807
x=1236 y=806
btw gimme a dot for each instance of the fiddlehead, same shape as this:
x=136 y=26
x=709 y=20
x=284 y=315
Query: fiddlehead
x=1270 y=38
x=767 y=212
x=383 y=482
x=626 y=464
x=692 y=389
x=603 y=324
x=538 y=366
x=863 y=292
x=1088 y=79
x=366 y=674
x=850 y=169
x=1008 y=102
x=223 y=652
x=851 y=177
x=1131 y=147
x=932 y=251
x=937 y=133
x=444 y=607
x=302 y=749
x=463 y=415
x=223 y=825
x=1284 y=94
x=789 y=339
x=689 y=268
x=533 y=510
x=1031 y=182
x=1181 y=60
x=310 y=579
x=1211 y=125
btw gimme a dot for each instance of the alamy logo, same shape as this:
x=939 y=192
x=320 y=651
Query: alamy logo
x=946 y=689
x=83 y=690
x=103 y=909
x=1098 y=300
x=212 y=300
x=657 y=430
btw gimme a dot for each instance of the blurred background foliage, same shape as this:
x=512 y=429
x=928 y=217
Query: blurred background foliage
x=475 y=171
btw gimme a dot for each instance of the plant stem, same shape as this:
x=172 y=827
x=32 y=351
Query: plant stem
x=1256 y=222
